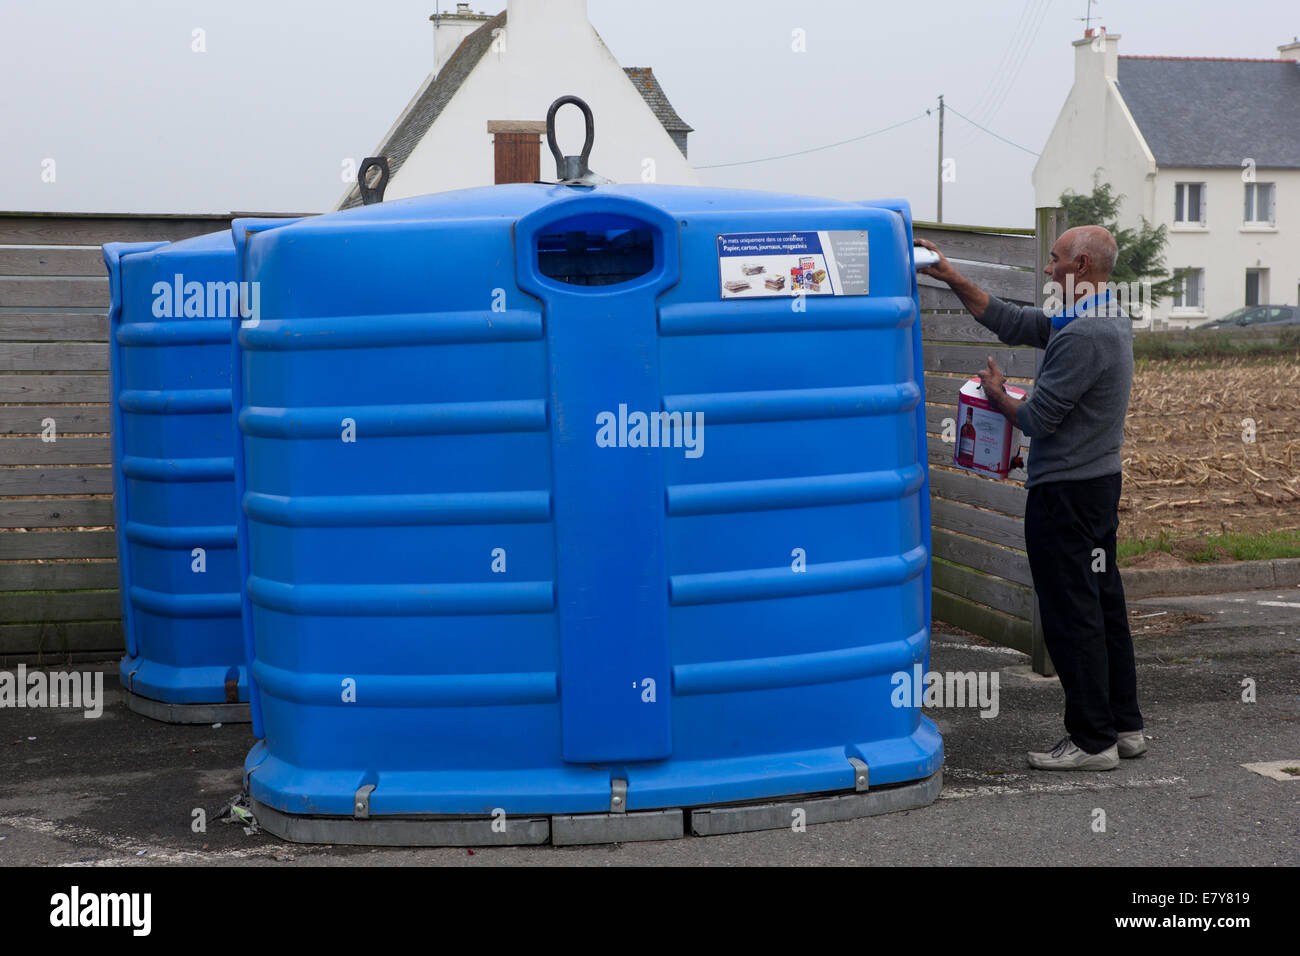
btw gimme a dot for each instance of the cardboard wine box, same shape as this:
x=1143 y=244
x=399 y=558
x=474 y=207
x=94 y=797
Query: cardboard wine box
x=985 y=441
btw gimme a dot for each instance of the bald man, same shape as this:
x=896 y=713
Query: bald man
x=1075 y=417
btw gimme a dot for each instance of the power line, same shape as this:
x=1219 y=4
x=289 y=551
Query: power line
x=999 y=71
x=876 y=132
x=815 y=149
x=1015 y=73
x=1008 y=73
x=950 y=108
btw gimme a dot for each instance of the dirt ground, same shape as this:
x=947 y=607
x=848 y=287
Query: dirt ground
x=1211 y=446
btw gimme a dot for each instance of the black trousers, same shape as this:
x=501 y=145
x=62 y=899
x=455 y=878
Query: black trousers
x=1070 y=531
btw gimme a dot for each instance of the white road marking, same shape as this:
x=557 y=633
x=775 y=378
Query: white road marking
x=981 y=647
x=87 y=838
x=1002 y=790
x=1274 y=769
x=1278 y=603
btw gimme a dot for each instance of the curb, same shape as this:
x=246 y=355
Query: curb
x=1211 y=578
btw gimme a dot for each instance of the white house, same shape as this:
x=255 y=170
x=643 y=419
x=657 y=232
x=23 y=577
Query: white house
x=1208 y=147
x=479 y=118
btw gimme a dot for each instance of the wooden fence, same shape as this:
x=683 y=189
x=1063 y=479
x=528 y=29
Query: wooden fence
x=58 y=560
x=981 y=579
x=58 y=553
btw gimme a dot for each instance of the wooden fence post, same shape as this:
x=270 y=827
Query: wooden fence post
x=1049 y=223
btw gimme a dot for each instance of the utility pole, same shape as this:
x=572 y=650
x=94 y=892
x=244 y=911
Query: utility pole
x=939 y=217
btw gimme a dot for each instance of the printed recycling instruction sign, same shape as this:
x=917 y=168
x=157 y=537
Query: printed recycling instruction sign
x=758 y=264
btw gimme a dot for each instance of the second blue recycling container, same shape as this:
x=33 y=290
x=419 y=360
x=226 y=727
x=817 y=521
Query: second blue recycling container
x=173 y=477
x=547 y=487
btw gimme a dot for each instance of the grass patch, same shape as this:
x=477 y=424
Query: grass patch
x=1212 y=343
x=1214 y=548
x=1134 y=547
x=1256 y=547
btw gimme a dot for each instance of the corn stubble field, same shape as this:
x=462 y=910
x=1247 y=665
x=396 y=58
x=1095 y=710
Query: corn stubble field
x=1190 y=466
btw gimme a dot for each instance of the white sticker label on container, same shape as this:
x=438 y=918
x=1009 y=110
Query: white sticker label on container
x=989 y=447
x=762 y=264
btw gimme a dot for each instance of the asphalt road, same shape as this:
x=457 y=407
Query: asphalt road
x=122 y=790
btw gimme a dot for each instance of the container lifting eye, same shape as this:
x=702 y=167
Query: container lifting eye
x=372 y=192
x=569 y=169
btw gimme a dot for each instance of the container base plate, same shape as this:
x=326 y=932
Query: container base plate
x=592 y=828
x=187 y=713
x=817 y=808
x=402 y=831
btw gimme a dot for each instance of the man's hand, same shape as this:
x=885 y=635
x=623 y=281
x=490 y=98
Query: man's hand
x=972 y=296
x=942 y=270
x=994 y=383
x=991 y=377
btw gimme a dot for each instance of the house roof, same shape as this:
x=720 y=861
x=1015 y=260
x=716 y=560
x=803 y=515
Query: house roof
x=1215 y=112
x=428 y=106
x=643 y=78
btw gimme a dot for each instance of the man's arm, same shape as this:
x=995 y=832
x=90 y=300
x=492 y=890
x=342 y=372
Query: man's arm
x=1069 y=370
x=1012 y=324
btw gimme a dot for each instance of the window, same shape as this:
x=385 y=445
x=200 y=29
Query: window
x=1270 y=315
x=1189 y=294
x=516 y=146
x=1189 y=203
x=1259 y=204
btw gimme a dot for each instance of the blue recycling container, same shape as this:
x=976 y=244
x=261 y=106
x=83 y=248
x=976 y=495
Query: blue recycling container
x=571 y=500
x=173 y=477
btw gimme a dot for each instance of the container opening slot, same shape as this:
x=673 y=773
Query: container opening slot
x=596 y=254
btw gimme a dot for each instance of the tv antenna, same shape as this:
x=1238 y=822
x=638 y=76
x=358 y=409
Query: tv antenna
x=1087 y=21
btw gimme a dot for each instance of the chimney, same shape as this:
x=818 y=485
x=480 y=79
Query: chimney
x=450 y=28
x=1290 y=51
x=1096 y=56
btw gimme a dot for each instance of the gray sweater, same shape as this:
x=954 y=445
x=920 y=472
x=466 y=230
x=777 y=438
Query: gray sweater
x=1075 y=415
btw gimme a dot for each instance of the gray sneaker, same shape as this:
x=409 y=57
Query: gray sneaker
x=1132 y=744
x=1066 y=756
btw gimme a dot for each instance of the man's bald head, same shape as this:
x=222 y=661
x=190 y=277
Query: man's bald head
x=1097 y=244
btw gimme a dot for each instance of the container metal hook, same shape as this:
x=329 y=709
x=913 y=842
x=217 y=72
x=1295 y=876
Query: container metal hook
x=572 y=170
x=372 y=194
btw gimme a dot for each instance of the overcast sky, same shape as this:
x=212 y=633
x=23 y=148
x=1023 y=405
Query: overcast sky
x=137 y=122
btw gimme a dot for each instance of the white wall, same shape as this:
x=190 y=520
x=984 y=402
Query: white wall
x=1226 y=248
x=547 y=49
x=1095 y=135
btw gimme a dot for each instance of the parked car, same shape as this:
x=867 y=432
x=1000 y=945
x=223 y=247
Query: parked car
x=1254 y=316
